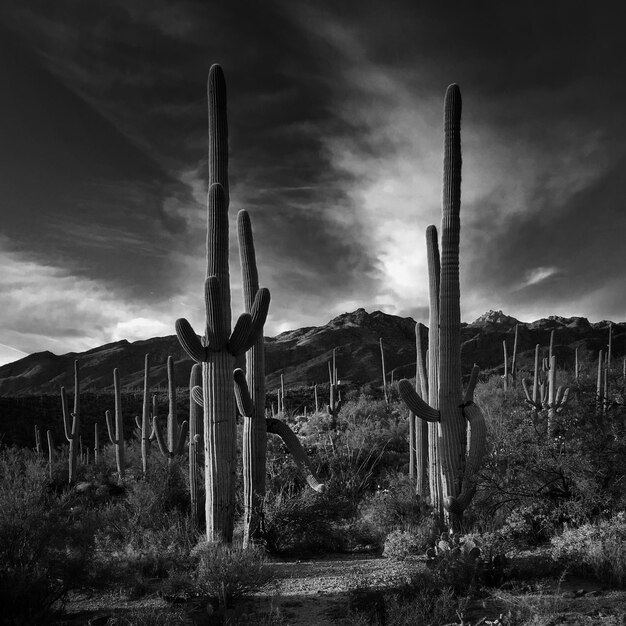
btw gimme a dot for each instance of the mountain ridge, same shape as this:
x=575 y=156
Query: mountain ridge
x=301 y=355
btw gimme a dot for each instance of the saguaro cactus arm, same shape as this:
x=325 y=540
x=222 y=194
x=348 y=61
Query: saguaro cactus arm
x=242 y=394
x=164 y=445
x=412 y=400
x=244 y=335
x=278 y=427
x=471 y=385
x=110 y=427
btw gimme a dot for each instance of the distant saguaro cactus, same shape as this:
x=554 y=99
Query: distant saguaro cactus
x=195 y=436
x=72 y=432
x=144 y=424
x=452 y=413
x=219 y=347
x=175 y=436
x=116 y=433
x=334 y=394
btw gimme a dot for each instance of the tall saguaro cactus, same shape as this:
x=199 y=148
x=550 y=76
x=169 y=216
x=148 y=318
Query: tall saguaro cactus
x=254 y=425
x=71 y=433
x=250 y=395
x=452 y=413
x=219 y=347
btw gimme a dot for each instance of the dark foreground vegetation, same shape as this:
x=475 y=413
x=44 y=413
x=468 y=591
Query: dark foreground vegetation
x=558 y=497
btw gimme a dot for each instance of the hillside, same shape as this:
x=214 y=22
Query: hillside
x=302 y=355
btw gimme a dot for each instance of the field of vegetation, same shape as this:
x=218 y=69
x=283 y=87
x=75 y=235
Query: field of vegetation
x=547 y=507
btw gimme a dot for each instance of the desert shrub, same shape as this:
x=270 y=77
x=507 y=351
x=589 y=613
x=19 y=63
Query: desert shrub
x=228 y=572
x=413 y=539
x=422 y=600
x=131 y=547
x=394 y=505
x=150 y=617
x=400 y=544
x=465 y=561
x=599 y=548
x=46 y=539
x=568 y=476
x=304 y=523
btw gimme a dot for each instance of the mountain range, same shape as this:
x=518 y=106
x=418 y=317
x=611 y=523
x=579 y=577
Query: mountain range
x=301 y=356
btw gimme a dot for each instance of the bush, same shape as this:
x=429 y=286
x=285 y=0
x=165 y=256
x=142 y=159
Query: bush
x=394 y=506
x=226 y=573
x=305 y=523
x=400 y=544
x=46 y=540
x=422 y=600
x=599 y=548
x=570 y=476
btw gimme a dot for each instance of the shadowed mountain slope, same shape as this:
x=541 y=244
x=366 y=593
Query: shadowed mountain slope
x=302 y=355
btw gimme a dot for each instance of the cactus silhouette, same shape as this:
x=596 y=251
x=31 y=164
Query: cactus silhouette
x=71 y=432
x=195 y=436
x=175 y=436
x=116 y=433
x=219 y=347
x=453 y=463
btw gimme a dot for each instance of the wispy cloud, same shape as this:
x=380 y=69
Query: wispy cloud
x=336 y=147
x=538 y=275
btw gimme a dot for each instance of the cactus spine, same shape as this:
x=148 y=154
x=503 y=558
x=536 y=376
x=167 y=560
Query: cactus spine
x=175 y=436
x=219 y=347
x=450 y=417
x=71 y=433
x=118 y=439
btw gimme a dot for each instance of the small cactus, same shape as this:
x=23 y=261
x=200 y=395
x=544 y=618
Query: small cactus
x=175 y=436
x=116 y=432
x=72 y=432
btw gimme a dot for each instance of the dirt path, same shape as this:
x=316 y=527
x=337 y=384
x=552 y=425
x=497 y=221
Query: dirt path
x=318 y=592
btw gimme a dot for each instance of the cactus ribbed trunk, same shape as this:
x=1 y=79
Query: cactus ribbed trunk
x=411 y=420
x=453 y=424
x=145 y=417
x=434 y=278
x=72 y=431
x=50 y=452
x=220 y=445
x=172 y=420
x=254 y=426
x=195 y=427
x=119 y=426
x=96 y=443
x=421 y=427
x=454 y=458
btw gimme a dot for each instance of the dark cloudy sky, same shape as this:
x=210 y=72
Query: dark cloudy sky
x=335 y=112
